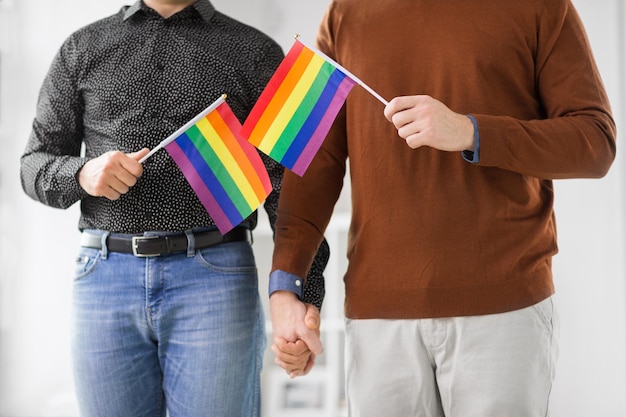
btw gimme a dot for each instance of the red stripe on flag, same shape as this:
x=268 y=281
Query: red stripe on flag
x=271 y=88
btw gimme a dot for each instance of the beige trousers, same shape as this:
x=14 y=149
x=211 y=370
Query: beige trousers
x=499 y=365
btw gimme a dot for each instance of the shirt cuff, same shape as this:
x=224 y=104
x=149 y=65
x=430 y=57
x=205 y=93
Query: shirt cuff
x=284 y=281
x=473 y=156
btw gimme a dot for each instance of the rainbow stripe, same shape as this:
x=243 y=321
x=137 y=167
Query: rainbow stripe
x=297 y=108
x=225 y=171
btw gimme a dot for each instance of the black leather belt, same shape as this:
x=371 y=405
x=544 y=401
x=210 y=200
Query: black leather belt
x=145 y=246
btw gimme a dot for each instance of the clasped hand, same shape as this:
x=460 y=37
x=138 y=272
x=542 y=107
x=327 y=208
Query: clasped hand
x=296 y=333
x=421 y=121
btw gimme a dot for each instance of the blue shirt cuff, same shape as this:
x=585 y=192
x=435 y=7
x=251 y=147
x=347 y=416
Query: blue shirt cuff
x=284 y=281
x=469 y=156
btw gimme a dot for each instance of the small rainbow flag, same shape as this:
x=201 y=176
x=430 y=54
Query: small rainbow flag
x=298 y=106
x=225 y=171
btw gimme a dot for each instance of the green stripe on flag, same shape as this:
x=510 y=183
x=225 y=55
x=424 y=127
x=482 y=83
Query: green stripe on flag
x=302 y=113
x=219 y=169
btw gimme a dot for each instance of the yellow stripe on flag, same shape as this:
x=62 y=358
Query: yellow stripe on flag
x=280 y=96
x=291 y=104
x=239 y=153
x=229 y=162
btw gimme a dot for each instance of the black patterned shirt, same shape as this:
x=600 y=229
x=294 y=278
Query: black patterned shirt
x=127 y=82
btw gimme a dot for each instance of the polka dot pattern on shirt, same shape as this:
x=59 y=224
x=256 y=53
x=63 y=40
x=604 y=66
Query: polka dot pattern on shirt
x=127 y=82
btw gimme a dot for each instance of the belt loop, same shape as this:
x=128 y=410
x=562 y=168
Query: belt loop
x=104 y=250
x=191 y=244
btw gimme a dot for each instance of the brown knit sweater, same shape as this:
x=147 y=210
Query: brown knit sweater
x=433 y=235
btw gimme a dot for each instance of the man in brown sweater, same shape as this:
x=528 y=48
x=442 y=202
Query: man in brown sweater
x=449 y=285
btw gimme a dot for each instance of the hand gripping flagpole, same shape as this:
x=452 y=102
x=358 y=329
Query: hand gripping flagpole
x=186 y=126
x=345 y=71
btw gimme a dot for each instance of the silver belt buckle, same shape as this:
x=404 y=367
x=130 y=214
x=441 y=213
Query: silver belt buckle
x=135 y=243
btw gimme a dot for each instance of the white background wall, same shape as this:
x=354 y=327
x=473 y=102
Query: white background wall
x=37 y=243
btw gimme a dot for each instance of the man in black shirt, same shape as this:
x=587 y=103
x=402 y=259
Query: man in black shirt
x=166 y=311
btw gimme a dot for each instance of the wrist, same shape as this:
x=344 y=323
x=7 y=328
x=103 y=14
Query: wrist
x=283 y=295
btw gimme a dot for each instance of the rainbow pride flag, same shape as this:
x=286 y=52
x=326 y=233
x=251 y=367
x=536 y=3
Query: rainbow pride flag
x=225 y=171
x=298 y=106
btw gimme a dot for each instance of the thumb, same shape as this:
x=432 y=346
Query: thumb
x=139 y=154
x=312 y=317
x=312 y=336
x=312 y=340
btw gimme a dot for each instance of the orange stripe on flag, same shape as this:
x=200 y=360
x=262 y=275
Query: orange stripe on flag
x=279 y=99
x=233 y=145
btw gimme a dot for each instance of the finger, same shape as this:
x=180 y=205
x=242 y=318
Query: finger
x=132 y=165
x=312 y=340
x=291 y=369
x=296 y=360
x=309 y=365
x=291 y=363
x=396 y=105
x=121 y=182
x=306 y=370
x=296 y=348
x=120 y=167
x=128 y=178
x=108 y=193
x=139 y=154
x=312 y=317
x=408 y=130
x=295 y=365
x=108 y=186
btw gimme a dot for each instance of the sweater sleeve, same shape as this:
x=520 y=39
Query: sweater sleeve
x=307 y=202
x=312 y=289
x=576 y=138
x=304 y=211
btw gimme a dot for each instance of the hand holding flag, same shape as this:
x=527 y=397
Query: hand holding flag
x=225 y=171
x=298 y=106
x=288 y=123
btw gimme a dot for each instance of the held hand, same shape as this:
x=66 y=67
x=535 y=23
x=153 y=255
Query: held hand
x=295 y=357
x=111 y=174
x=424 y=121
x=296 y=333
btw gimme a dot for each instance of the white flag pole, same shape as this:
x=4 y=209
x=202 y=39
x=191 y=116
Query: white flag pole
x=186 y=126
x=345 y=71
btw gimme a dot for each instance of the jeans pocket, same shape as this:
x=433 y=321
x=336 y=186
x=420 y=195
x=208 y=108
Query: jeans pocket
x=229 y=258
x=85 y=262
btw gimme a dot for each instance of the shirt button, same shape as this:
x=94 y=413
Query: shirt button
x=298 y=283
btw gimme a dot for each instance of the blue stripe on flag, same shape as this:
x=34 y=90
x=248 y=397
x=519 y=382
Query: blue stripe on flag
x=310 y=125
x=211 y=181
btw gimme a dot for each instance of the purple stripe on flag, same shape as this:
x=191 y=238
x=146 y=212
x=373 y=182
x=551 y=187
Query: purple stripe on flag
x=206 y=174
x=197 y=180
x=318 y=136
x=313 y=119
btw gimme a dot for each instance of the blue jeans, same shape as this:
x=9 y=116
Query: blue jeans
x=182 y=333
